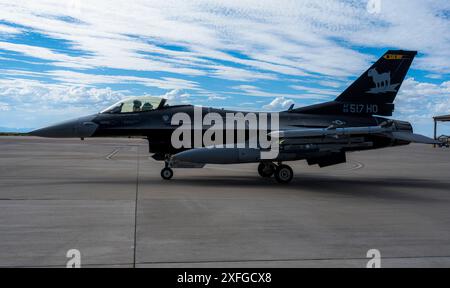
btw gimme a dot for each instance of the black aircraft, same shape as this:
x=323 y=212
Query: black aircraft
x=320 y=134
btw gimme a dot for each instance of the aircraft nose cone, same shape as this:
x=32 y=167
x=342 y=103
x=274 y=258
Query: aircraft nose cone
x=61 y=130
x=82 y=127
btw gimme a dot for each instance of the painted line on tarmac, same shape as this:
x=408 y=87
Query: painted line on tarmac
x=358 y=165
x=112 y=154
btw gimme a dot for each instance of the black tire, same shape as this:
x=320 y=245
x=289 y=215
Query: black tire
x=266 y=170
x=167 y=173
x=284 y=174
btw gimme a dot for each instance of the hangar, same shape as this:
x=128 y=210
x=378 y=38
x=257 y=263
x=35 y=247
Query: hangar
x=444 y=118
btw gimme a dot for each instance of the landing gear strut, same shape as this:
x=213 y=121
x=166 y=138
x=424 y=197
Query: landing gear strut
x=167 y=172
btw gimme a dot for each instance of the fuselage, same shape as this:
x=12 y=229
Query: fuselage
x=150 y=123
x=157 y=127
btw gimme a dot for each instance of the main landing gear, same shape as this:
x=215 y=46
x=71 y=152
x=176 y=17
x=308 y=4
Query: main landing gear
x=283 y=173
x=266 y=170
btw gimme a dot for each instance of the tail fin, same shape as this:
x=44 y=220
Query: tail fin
x=381 y=82
x=374 y=92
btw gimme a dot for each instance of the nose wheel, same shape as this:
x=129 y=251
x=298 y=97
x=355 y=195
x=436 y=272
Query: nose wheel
x=167 y=172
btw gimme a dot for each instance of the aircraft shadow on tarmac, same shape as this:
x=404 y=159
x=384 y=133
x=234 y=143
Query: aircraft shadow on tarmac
x=412 y=189
x=384 y=188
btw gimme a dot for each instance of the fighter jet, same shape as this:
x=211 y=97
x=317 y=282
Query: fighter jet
x=321 y=134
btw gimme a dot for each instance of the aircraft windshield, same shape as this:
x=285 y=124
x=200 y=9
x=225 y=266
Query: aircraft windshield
x=135 y=105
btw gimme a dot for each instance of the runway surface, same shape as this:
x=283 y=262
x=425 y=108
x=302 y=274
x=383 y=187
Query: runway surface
x=56 y=195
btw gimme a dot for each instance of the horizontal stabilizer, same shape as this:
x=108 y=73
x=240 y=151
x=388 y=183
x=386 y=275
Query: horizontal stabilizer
x=413 y=138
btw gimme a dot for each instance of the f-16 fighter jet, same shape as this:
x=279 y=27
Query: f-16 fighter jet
x=186 y=136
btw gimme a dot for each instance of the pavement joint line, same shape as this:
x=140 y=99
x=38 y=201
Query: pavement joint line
x=136 y=206
x=287 y=260
x=232 y=261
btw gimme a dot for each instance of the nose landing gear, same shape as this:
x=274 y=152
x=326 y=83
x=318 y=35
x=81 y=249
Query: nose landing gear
x=167 y=172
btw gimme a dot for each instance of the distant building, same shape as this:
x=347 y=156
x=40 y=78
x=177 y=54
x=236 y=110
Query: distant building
x=445 y=118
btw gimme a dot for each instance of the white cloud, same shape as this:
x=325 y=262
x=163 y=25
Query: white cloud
x=31 y=103
x=78 y=78
x=318 y=91
x=237 y=74
x=279 y=103
x=44 y=54
x=177 y=96
x=4 y=106
x=287 y=38
x=251 y=90
x=420 y=101
x=216 y=97
x=280 y=37
x=409 y=25
x=434 y=76
x=35 y=104
x=32 y=95
x=4 y=29
x=332 y=84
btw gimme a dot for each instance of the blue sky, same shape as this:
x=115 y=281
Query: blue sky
x=63 y=59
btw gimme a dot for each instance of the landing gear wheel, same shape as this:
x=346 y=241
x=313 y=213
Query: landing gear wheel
x=284 y=174
x=266 y=170
x=167 y=173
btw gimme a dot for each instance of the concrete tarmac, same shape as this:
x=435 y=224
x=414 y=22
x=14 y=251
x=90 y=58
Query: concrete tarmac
x=62 y=194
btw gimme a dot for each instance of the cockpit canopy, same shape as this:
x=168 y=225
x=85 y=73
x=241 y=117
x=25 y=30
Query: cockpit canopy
x=136 y=105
